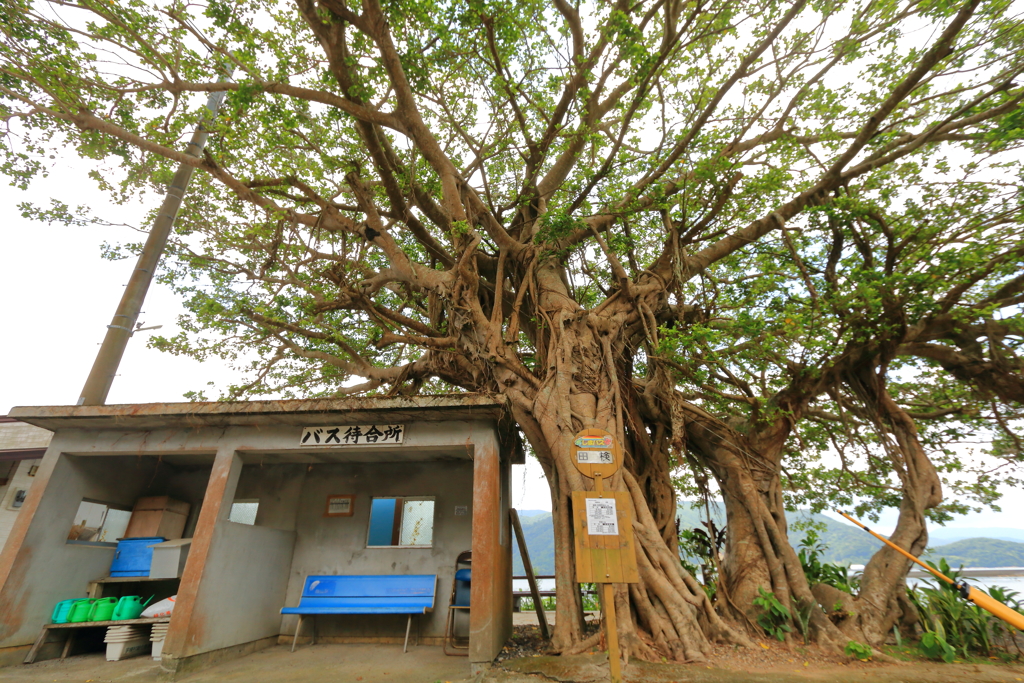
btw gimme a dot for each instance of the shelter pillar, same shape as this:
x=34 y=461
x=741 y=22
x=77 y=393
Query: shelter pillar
x=491 y=579
x=186 y=628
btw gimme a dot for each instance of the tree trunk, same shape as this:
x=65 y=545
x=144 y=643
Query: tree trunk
x=878 y=605
x=758 y=554
x=667 y=614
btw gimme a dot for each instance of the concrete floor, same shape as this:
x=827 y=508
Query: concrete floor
x=349 y=663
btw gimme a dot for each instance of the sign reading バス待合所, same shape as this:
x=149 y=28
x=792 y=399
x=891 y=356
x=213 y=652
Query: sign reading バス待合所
x=352 y=435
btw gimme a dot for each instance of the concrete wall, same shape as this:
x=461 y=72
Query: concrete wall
x=15 y=436
x=48 y=569
x=278 y=489
x=234 y=585
x=337 y=545
x=243 y=588
x=18 y=480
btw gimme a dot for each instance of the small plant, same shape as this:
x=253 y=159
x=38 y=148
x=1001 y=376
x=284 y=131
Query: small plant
x=934 y=646
x=952 y=626
x=774 y=617
x=589 y=596
x=804 y=609
x=817 y=571
x=858 y=650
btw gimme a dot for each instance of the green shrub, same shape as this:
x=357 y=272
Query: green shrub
x=816 y=571
x=952 y=626
x=858 y=650
x=934 y=646
x=774 y=617
x=804 y=610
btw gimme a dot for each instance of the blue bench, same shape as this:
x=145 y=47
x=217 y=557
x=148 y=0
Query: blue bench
x=365 y=594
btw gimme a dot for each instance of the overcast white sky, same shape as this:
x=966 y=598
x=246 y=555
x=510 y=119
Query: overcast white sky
x=59 y=294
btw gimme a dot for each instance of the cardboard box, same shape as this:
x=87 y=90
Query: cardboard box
x=157 y=516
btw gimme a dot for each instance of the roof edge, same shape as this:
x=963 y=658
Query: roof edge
x=242 y=412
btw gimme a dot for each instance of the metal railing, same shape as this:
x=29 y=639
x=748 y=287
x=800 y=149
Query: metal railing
x=518 y=595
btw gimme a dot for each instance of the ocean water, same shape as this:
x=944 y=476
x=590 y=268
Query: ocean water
x=1014 y=583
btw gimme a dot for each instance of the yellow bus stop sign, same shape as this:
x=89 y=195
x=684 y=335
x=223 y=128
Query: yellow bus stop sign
x=602 y=520
x=603 y=530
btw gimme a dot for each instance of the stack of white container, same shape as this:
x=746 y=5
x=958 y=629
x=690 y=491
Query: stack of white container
x=126 y=641
x=157 y=637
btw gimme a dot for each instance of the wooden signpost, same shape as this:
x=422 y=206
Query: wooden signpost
x=604 y=529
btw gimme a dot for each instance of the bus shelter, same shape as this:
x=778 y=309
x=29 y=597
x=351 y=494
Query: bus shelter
x=269 y=493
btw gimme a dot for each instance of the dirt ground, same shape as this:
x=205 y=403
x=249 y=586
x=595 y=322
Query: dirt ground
x=522 y=661
x=592 y=668
x=386 y=663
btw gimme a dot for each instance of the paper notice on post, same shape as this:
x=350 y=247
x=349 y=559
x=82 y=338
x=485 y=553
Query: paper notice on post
x=601 y=517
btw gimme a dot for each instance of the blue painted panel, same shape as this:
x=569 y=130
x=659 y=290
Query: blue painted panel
x=361 y=606
x=382 y=521
x=370 y=585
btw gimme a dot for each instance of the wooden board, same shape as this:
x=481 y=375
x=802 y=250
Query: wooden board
x=604 y=559
x=41 y=640
x=120 y=622
x=588 y=449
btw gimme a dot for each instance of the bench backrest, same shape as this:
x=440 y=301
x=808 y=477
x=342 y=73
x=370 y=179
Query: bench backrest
x=370 y=586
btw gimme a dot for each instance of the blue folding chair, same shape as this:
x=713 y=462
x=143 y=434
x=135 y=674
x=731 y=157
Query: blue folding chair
x=459 y=603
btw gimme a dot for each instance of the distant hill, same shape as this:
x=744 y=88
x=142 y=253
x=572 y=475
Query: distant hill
x=944 y=535
x=540 y=541
x=846 y=543
x=980 y=552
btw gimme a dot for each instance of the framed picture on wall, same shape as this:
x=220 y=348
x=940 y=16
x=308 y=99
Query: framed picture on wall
x=340 y=506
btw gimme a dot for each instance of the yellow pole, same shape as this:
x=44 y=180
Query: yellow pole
x=978 y=597
x=898 y=549
x=612 y=630
x=996 y=608
x=608 y=602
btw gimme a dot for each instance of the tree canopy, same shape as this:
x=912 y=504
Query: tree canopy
x=773 y=247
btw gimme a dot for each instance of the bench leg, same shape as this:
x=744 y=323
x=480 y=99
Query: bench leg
x=68 y=644
x=313 y=642
x=31 y=656
x=297 y=629
x=408 y=625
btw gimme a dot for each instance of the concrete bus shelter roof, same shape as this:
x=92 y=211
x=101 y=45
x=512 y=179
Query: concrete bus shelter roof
x=295 y=412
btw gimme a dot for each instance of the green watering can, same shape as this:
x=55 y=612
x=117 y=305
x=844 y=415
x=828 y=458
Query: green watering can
x=80 y=610
x=130 y=607
x=62 y=610
x=102 y=609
